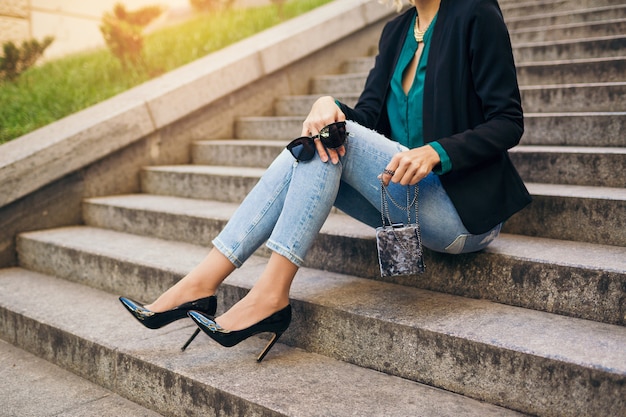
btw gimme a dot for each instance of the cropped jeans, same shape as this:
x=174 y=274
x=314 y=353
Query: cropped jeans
x=292 y=200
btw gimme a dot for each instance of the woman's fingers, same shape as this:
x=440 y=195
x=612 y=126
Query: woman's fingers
x=327 y=154
x=335 y=154
x=321 y=150
x=410 y=167
x=388 y=173
x=410 y=175
x=323 y=113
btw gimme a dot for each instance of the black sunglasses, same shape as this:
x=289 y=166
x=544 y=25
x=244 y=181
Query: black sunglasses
x=332 y=136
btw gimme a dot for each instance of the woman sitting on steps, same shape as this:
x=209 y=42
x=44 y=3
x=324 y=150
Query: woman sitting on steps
x=441 y=107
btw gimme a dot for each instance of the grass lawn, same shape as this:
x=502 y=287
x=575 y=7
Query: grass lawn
x=64 y=86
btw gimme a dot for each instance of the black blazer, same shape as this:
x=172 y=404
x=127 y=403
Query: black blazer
x=472 y=106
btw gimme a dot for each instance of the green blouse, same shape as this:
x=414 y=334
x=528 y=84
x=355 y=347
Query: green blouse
x=405 y=111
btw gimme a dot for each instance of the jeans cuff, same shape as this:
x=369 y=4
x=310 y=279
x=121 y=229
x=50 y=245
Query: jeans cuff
x=291 y=257
x=217 y=244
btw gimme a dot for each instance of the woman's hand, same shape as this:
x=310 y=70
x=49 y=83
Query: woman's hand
x=409 y=167
x=323 y=113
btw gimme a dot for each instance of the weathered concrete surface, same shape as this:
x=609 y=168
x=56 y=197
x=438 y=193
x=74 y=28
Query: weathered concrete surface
x=477 y=348
x=33 y=387
x=96 y=338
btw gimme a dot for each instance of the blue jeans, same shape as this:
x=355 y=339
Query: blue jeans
x=292 y=200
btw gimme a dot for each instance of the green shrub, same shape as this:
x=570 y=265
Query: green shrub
x=122 y=32
x=17 y=60
x=141 y=17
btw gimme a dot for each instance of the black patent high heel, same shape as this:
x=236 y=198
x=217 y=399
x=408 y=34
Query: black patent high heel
x=277 y=323
x=152 y=320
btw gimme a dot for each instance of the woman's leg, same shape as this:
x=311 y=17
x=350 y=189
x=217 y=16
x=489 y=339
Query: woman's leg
x=367 y=154
x=202 y=281
x=310 y=195
x=248 y=228
x=287 y=208
x=268 y=295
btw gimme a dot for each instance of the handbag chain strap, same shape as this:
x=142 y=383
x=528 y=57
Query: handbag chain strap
x=409 y=203
x=384 y=206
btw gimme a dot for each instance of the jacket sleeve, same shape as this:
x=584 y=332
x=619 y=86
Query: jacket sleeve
x=494 y=80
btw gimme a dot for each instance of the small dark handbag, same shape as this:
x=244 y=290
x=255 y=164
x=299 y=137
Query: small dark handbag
x=399 y=245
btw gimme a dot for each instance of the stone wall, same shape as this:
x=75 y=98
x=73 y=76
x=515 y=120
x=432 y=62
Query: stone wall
x=73 y=24
x=14 y=21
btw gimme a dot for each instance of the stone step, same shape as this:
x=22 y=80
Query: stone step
x=592 y=166
x=572 y=71
x=532 y=7
x=359 y=65
x=588 y=214
x=528 y=52
x=583 y=30
x=283 y=128
x=336 y=84
x=504 y=355
x=598 y=97
x=571 y=278
x=237 y=152
x=34 y=387
x=219 y=183
x=567 y=71
x=586 y=48
x=604 y=129
x=514 y=9
x=573 y=212
x=108 y=347
x=301 y=105
x=601 y=167
x=593 y=14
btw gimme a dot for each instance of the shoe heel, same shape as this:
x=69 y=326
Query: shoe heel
x=193 y=336
x=271 y=343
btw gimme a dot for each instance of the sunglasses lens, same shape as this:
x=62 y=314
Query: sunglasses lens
x=334 y=135
x=302 y=148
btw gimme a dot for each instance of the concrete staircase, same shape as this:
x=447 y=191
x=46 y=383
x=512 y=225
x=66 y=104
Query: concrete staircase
x=534 y=325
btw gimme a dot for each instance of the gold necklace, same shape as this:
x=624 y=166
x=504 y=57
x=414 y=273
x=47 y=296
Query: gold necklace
x=419 y=35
